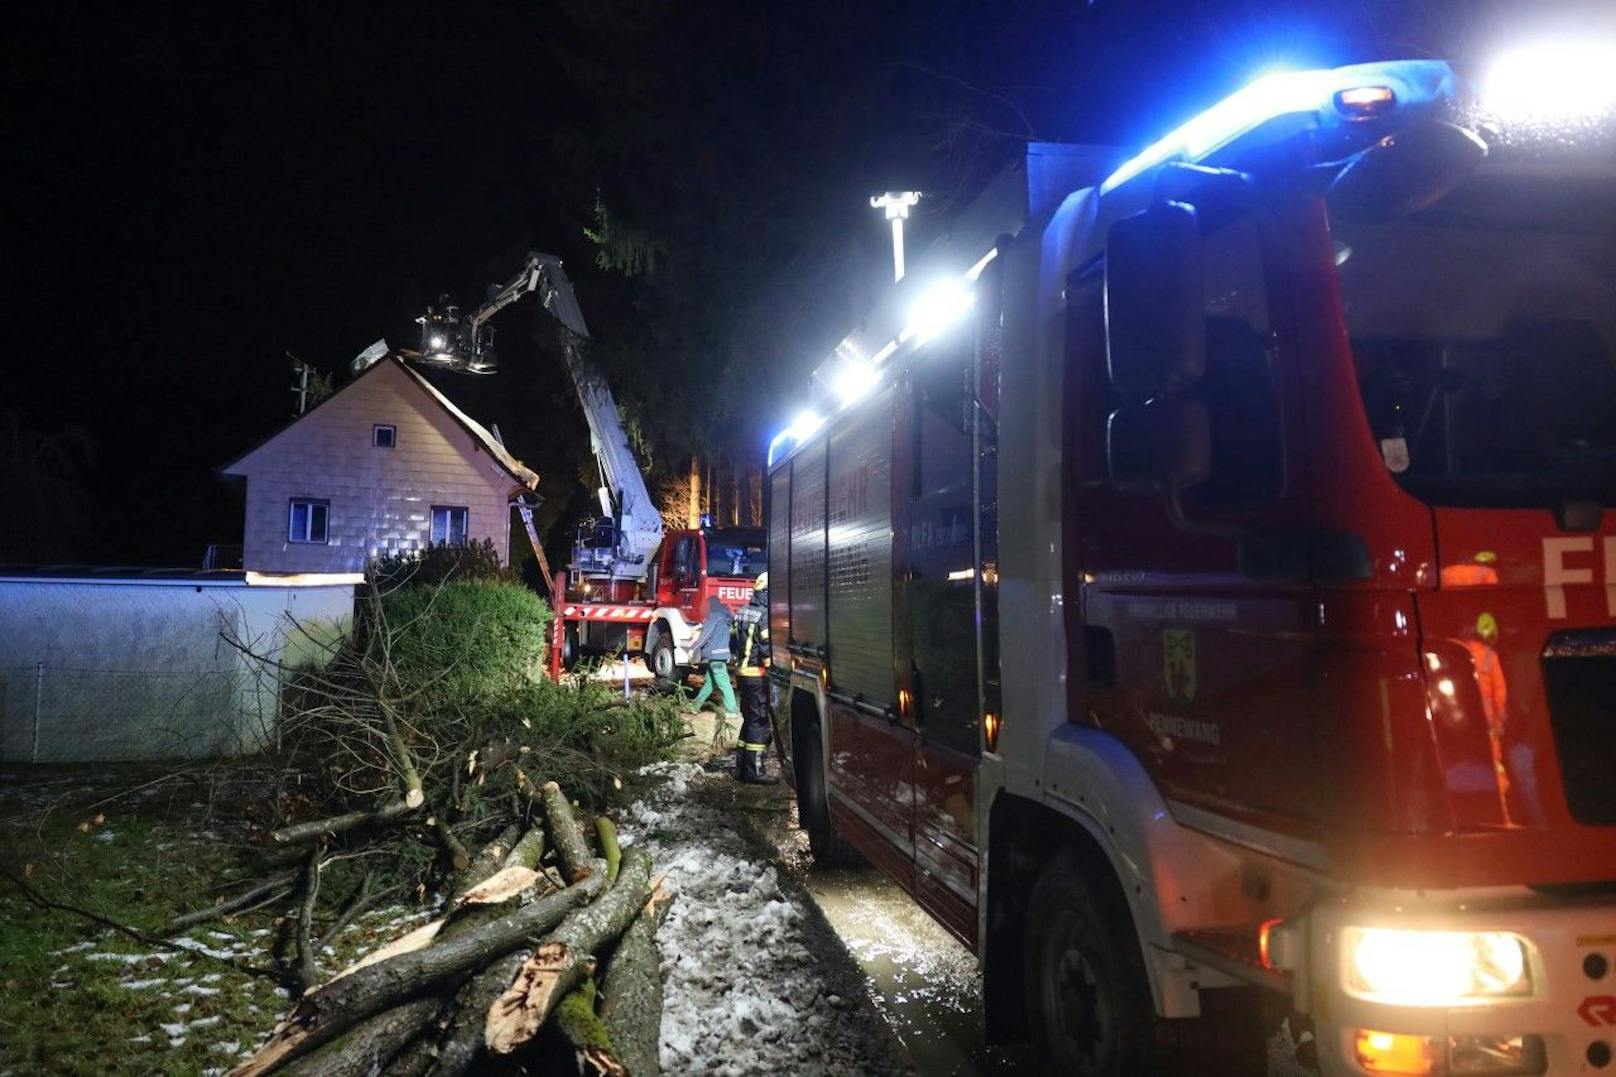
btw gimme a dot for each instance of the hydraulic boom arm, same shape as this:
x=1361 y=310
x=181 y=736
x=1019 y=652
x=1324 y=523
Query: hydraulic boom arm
x=624 y=494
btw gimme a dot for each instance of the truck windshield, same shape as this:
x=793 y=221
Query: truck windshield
x=731 y=553
x=1484 y=333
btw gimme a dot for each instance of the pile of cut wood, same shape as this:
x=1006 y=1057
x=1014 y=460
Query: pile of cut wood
x=544 y=960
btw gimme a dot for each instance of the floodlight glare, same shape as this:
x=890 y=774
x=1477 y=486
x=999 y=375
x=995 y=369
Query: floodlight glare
x=854 y=379
x=804 y=425
x=1552 y=82
x=938 y=307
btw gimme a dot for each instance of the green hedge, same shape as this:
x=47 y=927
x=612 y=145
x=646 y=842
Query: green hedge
x=460 y=645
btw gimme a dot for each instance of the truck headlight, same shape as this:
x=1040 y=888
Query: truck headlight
x=1433 y=968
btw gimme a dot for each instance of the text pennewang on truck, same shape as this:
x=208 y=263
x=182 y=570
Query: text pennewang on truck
x=1202 y=598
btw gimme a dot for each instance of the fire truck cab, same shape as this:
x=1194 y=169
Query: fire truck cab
x=1202 y=598
x=692 y=568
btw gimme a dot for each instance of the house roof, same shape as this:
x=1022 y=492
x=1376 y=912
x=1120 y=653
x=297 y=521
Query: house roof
x=524 y=476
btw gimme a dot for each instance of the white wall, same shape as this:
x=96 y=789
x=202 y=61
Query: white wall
x=135 y=668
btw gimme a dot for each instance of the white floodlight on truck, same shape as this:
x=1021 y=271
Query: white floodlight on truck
x=938 y=308
x=1552 y=83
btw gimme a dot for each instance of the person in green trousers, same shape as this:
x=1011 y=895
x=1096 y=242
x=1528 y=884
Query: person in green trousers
x=712 y=647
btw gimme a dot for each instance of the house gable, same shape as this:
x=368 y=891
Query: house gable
x=379 y=499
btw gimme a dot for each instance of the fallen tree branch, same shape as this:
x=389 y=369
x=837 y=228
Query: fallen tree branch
x=361 y=900
x=325 y=1013
x=529 y=851
x=576 y=1019
x=459 y=858
x=565 y=958
x=606 y=831
x=370 y=1046
x=317 y=829
x=463 y=1040
x=43 y=902
x=241 y=902
x=631 y=992
x=487 y=861
x=565 y=833
x=307 y=970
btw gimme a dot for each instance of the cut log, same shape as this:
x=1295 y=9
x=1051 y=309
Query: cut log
x=606 y=831
x=565 y=833
x=529 y=851
x=370 y=1046
x=565 y=958
x=316 y=829
x=463 y=1041
x=502 y=886
x=325 y=1014
x=453 y=847
x=404 y=944
x=488 y=860
x=631 y=994
x=576 y=1019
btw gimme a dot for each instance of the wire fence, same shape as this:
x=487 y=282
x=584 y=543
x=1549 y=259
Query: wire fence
x=58 y=714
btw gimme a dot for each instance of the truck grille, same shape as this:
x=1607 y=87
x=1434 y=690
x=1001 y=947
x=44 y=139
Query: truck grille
x=1579 y=677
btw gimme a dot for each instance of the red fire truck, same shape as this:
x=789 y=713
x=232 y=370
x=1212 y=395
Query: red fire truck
x=661 y=617
x=1202 y=598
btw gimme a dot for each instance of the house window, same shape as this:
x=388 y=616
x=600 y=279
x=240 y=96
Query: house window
x=383 y=437
x=307 y=519
x=448 y=525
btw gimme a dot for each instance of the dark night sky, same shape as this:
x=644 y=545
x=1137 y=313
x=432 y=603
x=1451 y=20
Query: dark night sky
x=194 y=189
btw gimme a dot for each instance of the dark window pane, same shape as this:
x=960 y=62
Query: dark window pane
x=1238 y=387
x=317 y=519
x=298 y=531
x=942 y=557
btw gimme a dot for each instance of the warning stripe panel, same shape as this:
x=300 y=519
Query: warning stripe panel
x=607 y=613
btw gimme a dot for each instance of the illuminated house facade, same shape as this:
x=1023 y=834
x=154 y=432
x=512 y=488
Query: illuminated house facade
x=387 y=464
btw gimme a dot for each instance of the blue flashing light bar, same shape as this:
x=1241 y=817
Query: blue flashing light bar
x=1412 y=83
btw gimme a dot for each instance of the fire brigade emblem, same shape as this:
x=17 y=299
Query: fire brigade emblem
x=1178 y=664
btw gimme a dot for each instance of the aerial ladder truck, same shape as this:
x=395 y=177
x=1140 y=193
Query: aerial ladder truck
x=631 y=587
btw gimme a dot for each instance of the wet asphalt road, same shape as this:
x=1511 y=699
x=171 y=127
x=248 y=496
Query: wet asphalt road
x=922 y=981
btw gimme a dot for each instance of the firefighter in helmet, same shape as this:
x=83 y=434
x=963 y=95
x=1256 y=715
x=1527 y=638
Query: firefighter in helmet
x=752 y=653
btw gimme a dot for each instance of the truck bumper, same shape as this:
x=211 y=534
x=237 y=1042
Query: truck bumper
x=1565 y=1023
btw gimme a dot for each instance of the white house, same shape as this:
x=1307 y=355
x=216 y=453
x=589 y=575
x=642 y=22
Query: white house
x=385 y=464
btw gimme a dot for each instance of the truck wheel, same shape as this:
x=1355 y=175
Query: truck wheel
x=1088 y=997
x=569 y=647
x=660 y=659
x=830 y=849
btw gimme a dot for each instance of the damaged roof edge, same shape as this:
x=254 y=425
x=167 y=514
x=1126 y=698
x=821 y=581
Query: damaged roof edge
x=526 y=478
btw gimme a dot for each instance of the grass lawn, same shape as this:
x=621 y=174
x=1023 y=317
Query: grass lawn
x=77 y=998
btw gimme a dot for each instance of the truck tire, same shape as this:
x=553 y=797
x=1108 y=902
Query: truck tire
x=830 y=849
x=1088 y=996
x=661 y=662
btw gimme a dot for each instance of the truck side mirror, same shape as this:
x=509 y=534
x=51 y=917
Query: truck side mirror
x=1155 y=326
x=1405 y=172
x=1163 y=445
